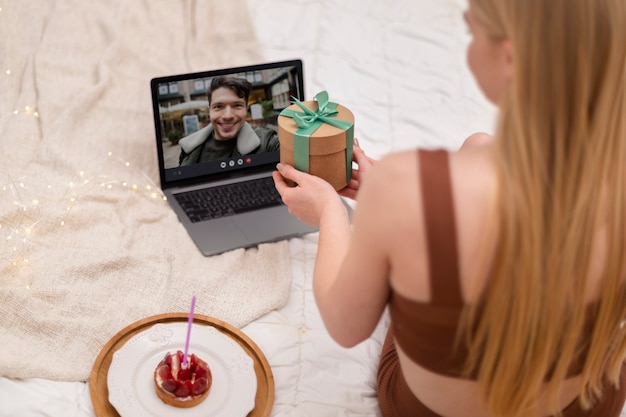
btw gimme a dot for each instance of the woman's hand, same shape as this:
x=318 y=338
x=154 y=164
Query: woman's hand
x=313 y=196
x=364 y=163
x=311 y=199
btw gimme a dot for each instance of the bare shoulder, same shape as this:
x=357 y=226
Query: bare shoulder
x=394 y=169
x=390 y=198
x=472 y=168
x=390 y=187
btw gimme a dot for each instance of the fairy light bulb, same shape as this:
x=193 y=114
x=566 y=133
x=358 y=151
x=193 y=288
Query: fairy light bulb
x=33 y=202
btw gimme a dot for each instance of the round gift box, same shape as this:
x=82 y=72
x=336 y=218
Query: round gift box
x=327 y=146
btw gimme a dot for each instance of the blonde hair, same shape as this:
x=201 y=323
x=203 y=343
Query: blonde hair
x=561 y=158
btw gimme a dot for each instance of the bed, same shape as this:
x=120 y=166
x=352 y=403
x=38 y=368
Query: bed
x=90 y=247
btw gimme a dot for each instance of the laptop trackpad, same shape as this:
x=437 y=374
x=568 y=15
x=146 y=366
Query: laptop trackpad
x=271 y=224
x=218 y=235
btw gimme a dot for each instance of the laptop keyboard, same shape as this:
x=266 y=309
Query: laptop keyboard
x=230 y=199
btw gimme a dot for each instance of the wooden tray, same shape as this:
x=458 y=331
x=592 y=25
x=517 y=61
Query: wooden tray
x=98 y=379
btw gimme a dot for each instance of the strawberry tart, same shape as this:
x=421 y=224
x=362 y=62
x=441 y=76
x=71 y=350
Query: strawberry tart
x=182 y=386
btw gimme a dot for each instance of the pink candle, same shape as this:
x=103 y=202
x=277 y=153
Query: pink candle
x=189 y=323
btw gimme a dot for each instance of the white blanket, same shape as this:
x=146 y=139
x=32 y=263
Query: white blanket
x=88 y=243
x=399 y=65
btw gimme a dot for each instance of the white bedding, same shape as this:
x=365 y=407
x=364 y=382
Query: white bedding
x=399 y=65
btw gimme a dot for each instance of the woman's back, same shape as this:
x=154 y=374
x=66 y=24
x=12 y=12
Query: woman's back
x=472 y=185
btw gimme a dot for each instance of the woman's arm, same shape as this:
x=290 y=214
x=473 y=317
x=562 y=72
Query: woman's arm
x=351 y=271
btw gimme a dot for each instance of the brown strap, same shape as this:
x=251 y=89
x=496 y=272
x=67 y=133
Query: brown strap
x=440 y=225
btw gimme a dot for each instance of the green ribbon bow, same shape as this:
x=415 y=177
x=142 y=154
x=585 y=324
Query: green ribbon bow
x=309 y=121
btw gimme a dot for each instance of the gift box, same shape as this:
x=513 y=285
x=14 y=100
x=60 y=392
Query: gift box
x=317 y=137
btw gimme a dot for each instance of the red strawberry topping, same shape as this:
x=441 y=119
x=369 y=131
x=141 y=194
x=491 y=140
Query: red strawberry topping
x=183 y=382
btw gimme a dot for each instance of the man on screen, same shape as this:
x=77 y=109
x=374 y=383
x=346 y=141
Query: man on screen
x=228 y=135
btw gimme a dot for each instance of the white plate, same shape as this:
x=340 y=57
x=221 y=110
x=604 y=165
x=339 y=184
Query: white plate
x=130 y=377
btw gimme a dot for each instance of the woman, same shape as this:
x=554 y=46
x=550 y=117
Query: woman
x=503 y=265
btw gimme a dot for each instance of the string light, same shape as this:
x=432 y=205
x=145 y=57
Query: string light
x=28 y=110
x=20 y=228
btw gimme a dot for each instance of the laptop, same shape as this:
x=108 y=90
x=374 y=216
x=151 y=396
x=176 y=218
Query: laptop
x=209 y=186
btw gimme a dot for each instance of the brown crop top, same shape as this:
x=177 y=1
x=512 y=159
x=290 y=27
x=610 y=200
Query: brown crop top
x=427 y=332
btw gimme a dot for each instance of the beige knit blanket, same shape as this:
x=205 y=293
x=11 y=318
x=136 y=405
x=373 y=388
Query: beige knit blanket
x=87 y=243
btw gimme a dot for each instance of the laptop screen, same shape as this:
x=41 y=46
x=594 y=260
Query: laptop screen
x=221 y=122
